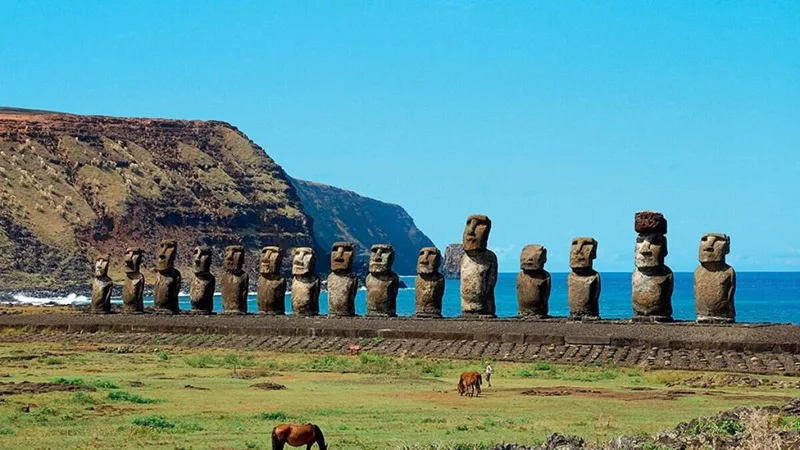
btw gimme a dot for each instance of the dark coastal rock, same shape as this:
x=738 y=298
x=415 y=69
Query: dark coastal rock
x=451 y=267
x=342 y=215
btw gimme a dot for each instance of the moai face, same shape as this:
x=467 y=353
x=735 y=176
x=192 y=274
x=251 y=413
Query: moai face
x=202 y=259
x=429 y=260
x=303 y=261
x=166 y=256
x=533 y=257
x=101 y=266
x=270 y=262
x=381 y=258
x=714 y=247
x=132 y=259
x=651 y=249
x=234 y=257
x=582 y=253
x=476 y=232
x=342 y=255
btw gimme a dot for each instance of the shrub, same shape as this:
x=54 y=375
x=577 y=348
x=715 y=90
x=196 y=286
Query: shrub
x=273 y=415
x=128 y=397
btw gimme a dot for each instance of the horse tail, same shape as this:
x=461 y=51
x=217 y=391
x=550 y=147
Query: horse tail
x=276 y=442
x=480 y=381
x=320 y=438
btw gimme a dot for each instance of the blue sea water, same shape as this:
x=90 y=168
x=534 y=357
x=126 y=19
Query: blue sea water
x=760 y=297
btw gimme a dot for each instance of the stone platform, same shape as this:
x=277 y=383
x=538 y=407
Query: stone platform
x=754 y=348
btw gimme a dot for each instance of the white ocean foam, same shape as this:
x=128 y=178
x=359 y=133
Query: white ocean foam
x=71 y=299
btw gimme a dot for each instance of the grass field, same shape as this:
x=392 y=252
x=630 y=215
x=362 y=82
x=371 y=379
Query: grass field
x=182 y=398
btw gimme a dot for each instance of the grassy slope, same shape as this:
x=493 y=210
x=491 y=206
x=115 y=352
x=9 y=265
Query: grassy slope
x=371 y=401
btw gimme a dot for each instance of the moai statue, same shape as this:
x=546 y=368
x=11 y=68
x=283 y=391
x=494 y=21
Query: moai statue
x=382 y=283
x=478 y=269
x=533 y=282
x=168 y=279
x=342 y=282
x=102 y=286
x=652 y=280
x=235 y=281
x=201 y=293
x=305 y=282
x=133 y=289
x=714 y=281
x=583 y=282
x=429 y=284
x=271 y=284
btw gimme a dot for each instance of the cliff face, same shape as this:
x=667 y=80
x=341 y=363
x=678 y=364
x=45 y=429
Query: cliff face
x=341 y=215
x=75 y=186
x=451 y=267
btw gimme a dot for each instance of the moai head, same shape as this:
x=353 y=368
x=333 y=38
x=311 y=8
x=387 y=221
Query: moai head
x=202 y=259
x=342 y=255
x=429 y=260
x=582 y=253
x=303 y=261
x=234 y=257
x=476 y=232
x=714 y=247
x=101 y=266
x=165 y=260
x=132 y=259
x=381 y=258
x=651 y=249
x=270 y=262
x=533 y=257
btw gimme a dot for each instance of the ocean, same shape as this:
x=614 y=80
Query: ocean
x=760 y=297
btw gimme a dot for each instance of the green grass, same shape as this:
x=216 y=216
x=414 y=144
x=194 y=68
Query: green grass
x=100 y=384
x=124 y=396
x=370 y=401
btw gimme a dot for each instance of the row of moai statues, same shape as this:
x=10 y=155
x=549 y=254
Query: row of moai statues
x=382 y=283
x=652 y=280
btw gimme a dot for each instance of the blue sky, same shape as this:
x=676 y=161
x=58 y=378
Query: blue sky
x=556 y=119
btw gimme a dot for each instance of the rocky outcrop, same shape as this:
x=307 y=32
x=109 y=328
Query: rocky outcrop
x=451 y=268
x=342 y=215
x=72 y=187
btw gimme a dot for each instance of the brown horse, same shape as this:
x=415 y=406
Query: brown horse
x=469 y=383
x=297 y=436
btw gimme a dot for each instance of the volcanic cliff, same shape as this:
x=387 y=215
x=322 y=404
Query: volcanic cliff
x=72 y=187
x=341 y=215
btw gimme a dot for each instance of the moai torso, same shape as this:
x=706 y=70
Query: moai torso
x=382 y=284
x=714 y=281
x=271 y=284
x=429 y=284
x=168 y=279
x=201 y=292
x=652 y=281
x=652 y=293
x=533 y=283
x=133 y=287
x=583 y=282
x=583 y=291
x=342 y=282
x=305 y=283
x=235 y=281
x=102 y=287
x=478 y=269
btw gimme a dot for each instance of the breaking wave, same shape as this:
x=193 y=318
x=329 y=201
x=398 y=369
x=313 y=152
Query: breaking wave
x=71 y=299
